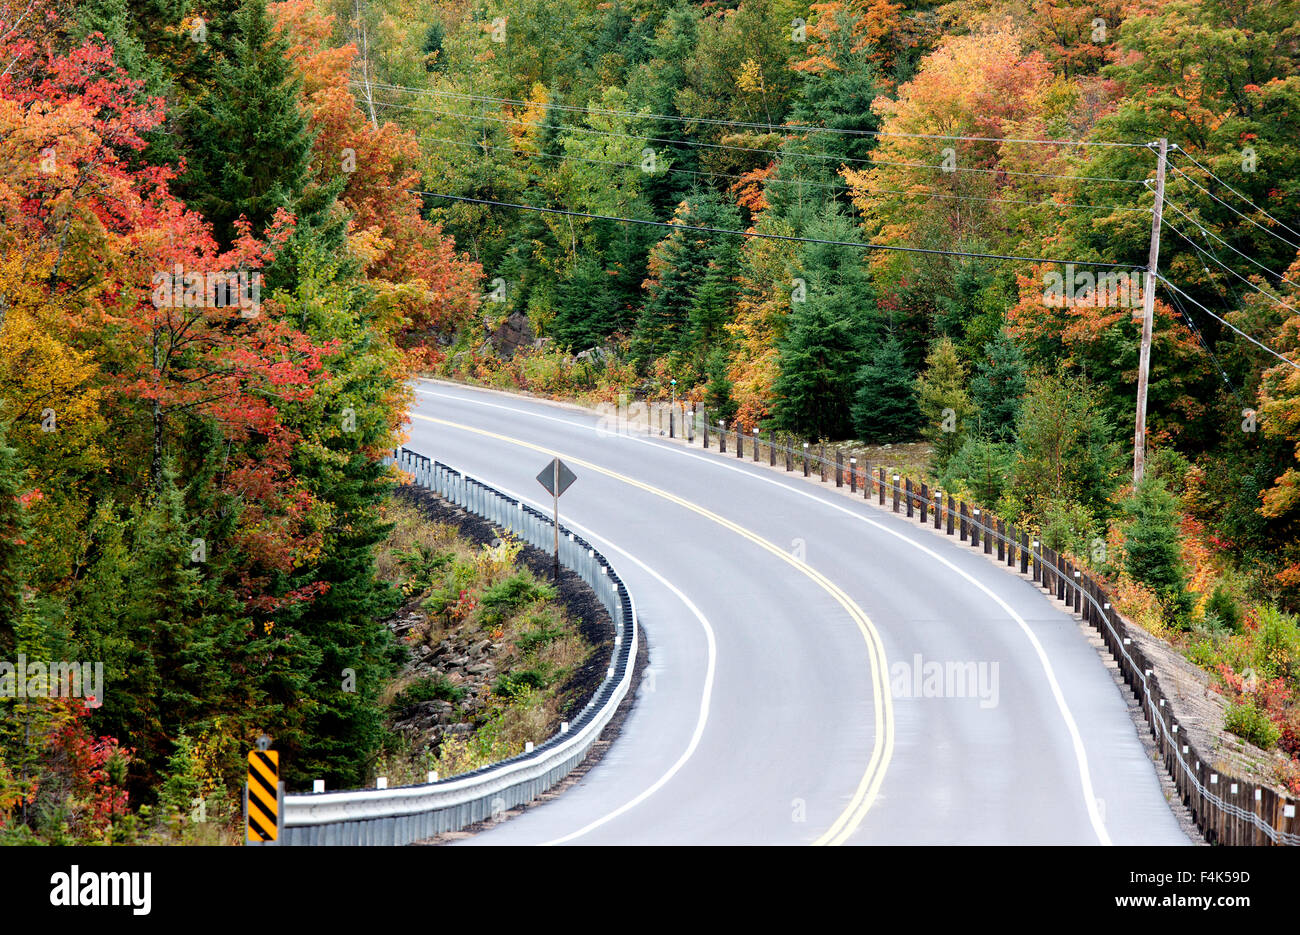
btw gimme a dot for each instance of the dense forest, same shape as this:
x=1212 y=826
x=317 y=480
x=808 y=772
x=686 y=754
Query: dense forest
x=230 y=232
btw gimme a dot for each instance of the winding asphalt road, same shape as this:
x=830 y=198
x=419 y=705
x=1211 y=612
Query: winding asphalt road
x=789 y=631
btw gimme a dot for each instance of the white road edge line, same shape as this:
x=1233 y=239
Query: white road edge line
x=706 y=696
x=1080 y=754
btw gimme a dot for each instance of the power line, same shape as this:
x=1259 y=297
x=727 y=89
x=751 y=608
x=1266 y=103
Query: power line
x=775 y=181
x=1191 y=326
x=771 y=152
x=764 y=236
x=1210 y=233
x=1224 y=321
x=716 y=121
x=1234 y=210
x=1235 y=192
x=1267 y=295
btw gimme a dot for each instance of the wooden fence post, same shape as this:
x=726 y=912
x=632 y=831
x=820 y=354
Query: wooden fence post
x=924 y=502
x=821 y=463
x=882 y=486
x=805 y=459
x=908 y=482
x=895 y=491
x=1024 y=553
x=938 y=507
x=756 y=440
x=975 y=527
x=963 y=521
x=1002 y=540
x=839 y=468
x=853 y=475
x=951 y=518
x=722 y=437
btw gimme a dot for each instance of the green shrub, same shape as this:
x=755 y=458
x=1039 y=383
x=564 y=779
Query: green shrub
x=1225 y=608
x=1251 y=724
x=515 y=684
x=510 y=594
x=981 y=466
x=1204 y=652
x=1277 y=645
x=436 y=687
x=423 y=564
x=544 y=635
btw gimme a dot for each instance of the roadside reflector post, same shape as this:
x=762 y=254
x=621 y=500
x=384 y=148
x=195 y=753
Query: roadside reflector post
x=263 y=796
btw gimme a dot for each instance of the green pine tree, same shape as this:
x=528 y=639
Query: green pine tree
x=821 y=352
x=944 y=402
x=884 y=406
x=249 y=146
x=1066 y=448
x=998 y=386
x=1152 y=552
x=584 y=307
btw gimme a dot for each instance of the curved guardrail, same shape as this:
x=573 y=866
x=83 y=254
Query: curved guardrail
x=404 y=814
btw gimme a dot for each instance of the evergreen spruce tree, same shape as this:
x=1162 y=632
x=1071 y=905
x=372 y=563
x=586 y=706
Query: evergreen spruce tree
x=1152 y=553
x=821 y=352
x=997 y=387
x=884 y=405
x=249 y=146
x=583 y=306
x=943 y=400
x=718 y=401
x=664 y=325
x=1066 y=451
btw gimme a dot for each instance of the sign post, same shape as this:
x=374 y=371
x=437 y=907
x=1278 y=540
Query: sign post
x=556 y=478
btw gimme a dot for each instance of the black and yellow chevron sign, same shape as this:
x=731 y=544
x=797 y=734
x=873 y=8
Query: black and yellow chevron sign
x=263 y=804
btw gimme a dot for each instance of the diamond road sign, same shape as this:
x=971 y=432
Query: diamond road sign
x=547 y=477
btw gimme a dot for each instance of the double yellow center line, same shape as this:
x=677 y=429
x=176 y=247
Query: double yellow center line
x=883 y=744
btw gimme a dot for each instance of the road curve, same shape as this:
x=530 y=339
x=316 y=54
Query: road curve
x=790 y=630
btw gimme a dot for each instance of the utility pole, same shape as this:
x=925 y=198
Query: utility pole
x=1148 y=311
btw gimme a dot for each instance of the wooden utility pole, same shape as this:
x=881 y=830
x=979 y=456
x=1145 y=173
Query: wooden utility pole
x=1148 y=310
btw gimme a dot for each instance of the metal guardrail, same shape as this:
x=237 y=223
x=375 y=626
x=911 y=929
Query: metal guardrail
x=404 y=814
